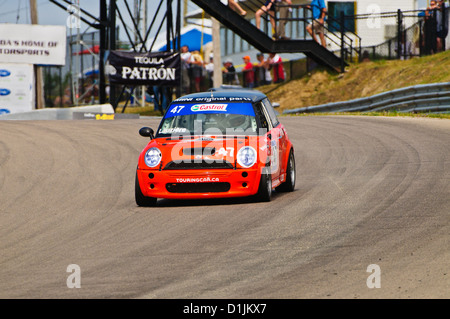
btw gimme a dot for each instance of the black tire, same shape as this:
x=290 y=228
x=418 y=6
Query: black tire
x=142 y=200
x=289 y=184
x=265 y=186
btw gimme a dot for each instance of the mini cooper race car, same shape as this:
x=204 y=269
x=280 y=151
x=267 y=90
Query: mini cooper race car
x=223 y=143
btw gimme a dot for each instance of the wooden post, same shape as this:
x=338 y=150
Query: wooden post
x=185 y=11
x=144 y=30
x=112 y=46
x=39 y=78
x=103 y=48
x=217 y=77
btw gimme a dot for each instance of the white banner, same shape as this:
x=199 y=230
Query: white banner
x=35 y=44
x=16 y=88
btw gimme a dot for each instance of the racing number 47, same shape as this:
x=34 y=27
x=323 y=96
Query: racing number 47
x=177 y=109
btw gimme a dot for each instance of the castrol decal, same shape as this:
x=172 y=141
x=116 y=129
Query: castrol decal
x=209 y=107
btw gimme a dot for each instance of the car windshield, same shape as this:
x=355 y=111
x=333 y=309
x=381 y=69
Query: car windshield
x=209 y=119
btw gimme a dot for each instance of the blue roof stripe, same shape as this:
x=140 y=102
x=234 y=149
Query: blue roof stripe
x=179 y=109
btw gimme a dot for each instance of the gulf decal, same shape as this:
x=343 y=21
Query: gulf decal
x=179 y=109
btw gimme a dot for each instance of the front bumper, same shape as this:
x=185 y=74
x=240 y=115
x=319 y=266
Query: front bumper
x=196 y=184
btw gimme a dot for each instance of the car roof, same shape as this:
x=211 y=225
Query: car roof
x=225 y=93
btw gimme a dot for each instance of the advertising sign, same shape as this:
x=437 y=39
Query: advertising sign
x=132 y=68
x=16 y=88
x=34 y=44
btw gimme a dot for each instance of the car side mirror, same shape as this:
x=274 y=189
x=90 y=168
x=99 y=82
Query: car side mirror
x=147 y=132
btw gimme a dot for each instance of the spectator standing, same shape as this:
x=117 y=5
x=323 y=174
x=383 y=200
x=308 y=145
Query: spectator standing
x=365 y=56
x=185 y=68
x=249 y=73
x=269 y=8
x=416 y=41
x=319 y=12
x=405 y=47
x=236 y=7
x=430 y=28
x=285 y=12
x=441 y=24
x=263 y=72
x=197 y=69
x=230 y=75
x=162 y=98
x=209 y=68
x=276 y=64
x=156 y=98
x=65 y=100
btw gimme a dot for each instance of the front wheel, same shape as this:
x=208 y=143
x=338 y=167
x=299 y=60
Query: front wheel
x=289 y=184
x=142 y=200
x=265 y=186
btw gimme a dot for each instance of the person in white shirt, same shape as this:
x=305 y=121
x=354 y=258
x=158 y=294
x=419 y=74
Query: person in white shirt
x=263 y=70
x=276 y=64
x=185 y=66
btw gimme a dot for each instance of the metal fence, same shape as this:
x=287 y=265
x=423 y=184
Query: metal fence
x=416 y=99
x=408 y=34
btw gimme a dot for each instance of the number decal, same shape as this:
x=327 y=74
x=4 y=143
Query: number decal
x=177 y=109
x=224 y=152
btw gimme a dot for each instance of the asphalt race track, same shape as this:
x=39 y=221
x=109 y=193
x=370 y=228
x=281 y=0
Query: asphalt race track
x=370 y=191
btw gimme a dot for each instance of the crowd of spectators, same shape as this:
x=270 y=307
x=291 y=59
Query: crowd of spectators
x=428 y=35
x=263 y=72
x=197 y=73
x=435 y=27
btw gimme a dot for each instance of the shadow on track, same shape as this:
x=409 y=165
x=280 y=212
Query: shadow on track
x=213 y=201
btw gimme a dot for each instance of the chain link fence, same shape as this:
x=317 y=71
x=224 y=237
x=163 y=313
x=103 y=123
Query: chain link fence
x=407 y=34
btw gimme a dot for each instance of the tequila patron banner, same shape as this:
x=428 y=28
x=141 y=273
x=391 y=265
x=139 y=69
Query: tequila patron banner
x=153 y=68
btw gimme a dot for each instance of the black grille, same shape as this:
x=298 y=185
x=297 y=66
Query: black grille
x=198 y=187
x=194 y=164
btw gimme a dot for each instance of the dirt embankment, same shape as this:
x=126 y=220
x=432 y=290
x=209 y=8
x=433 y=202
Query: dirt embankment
x=360 y=80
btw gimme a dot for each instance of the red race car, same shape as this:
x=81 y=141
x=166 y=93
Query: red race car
x=223 y=143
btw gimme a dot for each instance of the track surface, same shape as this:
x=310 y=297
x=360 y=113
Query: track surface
x=369 y=191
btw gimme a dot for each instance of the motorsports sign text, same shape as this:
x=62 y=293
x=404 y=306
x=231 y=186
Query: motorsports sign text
x=32 y=44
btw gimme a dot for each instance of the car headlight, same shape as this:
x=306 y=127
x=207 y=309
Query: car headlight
x=246 y=157
x=152 y=157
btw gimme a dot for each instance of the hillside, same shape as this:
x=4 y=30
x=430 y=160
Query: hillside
x=359 y=80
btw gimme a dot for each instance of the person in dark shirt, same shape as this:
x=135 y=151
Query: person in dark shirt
x=230 y=75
